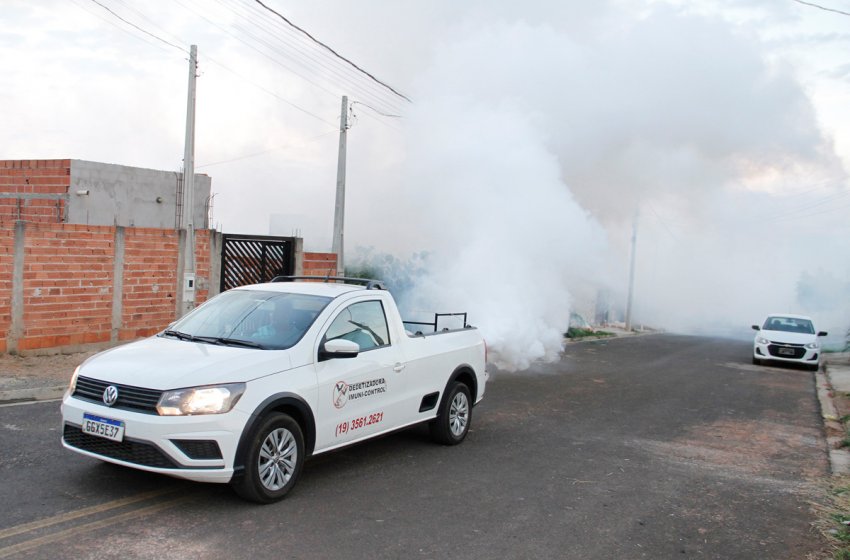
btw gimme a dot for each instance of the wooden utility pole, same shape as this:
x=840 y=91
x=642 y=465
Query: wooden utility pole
x=339 y=208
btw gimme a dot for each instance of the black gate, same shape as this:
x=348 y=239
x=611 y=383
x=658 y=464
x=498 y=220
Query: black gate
x=252 y=259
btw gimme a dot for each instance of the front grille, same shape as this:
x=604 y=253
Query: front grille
x=799 y=350
x=128 y=450
x=198 y=448
x=132 y=398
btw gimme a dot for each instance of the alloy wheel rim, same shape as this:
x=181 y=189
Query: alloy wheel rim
x=278 y=457
x=459 y=414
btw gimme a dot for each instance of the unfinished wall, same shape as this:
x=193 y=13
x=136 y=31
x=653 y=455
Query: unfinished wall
x=107 y=194
x=34 y=190
x=69 y=287
x=319 y=264
x=149 y=281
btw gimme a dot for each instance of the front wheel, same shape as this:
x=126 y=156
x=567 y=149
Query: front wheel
x=273 y=461
x=452 y=423
x=756 y=361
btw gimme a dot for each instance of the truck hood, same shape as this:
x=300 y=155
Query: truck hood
x=166 y=363
x=788 y=337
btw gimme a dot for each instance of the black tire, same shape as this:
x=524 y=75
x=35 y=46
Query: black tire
x=455 y=416
x=272 y=464
x=756 y=361
x=813 y=367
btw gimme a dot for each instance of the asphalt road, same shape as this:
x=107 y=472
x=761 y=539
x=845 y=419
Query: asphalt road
x=649 y=447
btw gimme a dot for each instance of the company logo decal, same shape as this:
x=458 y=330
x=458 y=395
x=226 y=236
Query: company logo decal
x=343 y=392
x=110 y=395
x=340 y=394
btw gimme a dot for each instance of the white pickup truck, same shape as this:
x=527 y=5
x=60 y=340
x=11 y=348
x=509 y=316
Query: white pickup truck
x=248 y=385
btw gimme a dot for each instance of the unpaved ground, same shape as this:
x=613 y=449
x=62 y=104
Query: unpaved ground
x=18 y=372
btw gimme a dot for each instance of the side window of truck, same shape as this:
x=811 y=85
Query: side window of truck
x=364 y=323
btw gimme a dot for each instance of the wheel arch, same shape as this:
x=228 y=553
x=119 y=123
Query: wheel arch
x=287 y=403
x=466 y=375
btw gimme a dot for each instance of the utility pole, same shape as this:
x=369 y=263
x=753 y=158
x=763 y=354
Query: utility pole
x=189 y=189
x=339 y=208
x=632 y=273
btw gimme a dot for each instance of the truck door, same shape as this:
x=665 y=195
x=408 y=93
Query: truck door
x=358 y=396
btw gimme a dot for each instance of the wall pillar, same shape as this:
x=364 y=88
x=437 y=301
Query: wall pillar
x=117 y=283
x=16 y=328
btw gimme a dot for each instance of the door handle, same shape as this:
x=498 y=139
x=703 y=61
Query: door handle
x=398 y=367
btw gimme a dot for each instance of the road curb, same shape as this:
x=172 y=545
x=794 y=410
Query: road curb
x=839 y=457
x=32 y=394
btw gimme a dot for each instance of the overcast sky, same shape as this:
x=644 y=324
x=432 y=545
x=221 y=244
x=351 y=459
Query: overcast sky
x=724 y=125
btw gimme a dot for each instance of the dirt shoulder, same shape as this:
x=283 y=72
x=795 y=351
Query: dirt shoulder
x=30 y=372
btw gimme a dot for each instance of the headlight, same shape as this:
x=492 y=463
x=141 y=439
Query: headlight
x=762 y=340
x=813 y=345
x=72 y=387
x=215 y=399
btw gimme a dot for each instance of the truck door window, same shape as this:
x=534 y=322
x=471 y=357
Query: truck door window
x=364 y=323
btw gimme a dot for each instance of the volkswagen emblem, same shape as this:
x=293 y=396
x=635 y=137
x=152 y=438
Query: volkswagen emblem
x=110 y=395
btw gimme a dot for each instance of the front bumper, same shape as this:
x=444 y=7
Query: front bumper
x=780 y=352
x=169 y=445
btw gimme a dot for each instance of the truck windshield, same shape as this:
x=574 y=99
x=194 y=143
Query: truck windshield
x=250 y=318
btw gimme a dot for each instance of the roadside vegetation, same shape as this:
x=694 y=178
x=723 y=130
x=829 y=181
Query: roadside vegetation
x=834 y=518
x=578 y=333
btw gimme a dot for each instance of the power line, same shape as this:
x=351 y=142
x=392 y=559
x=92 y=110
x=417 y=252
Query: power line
x=269 y=28
x=824 y=8
x=146 y=32
x=116 y=25
x=237 y=74
x=336 y=54
x=270 y=92
x=293 y=42
x=377 y=111
x=246 y=156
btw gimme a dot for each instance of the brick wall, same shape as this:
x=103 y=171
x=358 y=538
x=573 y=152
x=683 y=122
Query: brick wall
x=150 y=281
x=67 y=291
x=319 y=264
x=69 y=280
x=35 y=191
x=202 y=266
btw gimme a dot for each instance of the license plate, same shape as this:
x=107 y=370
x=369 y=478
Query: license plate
x=103 y=427
x=787 y=351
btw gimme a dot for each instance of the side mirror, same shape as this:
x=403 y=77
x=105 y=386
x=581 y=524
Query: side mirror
x=756 y=328
x=822 y=333
x=339 y=348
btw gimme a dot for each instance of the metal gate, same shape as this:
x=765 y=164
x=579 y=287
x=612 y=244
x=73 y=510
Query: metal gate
x=252 y=259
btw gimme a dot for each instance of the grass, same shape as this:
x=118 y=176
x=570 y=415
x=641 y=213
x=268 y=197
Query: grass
x=834 y=516
x=575 y=333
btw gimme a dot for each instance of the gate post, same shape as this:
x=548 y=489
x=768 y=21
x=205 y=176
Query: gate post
x=298 y=256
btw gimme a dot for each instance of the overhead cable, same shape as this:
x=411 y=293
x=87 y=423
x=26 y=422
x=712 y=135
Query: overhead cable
x=146 y=32
x=295 y=46
x=336 y=54
x=824 y=8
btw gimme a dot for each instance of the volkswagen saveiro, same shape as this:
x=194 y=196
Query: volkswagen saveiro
x=248 y=385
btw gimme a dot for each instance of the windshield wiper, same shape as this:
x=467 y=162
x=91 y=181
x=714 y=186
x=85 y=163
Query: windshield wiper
x=230 y=341
x=214 y=340
x=180 y=335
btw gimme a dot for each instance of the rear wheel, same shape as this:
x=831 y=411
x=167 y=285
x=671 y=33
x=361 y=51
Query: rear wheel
x=273 y=461
x=452 y=422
